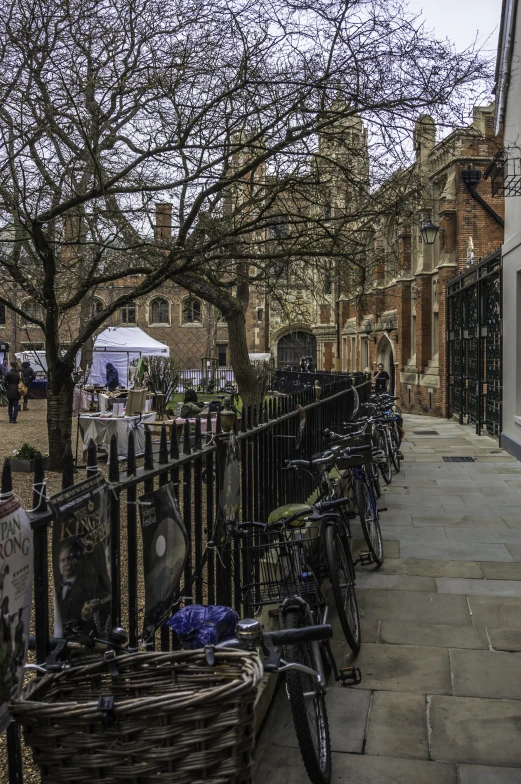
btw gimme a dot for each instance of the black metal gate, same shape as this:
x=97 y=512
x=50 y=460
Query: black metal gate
x=474 y=345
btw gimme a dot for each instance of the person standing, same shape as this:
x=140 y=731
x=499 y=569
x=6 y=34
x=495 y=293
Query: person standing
x=4 y=367
x=28 y=376
x=112 y=377
x=13 y=395
x=380 y=378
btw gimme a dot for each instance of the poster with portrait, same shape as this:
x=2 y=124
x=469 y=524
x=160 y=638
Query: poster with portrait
x=16 y=577
x=165 y=547
x=81 y=559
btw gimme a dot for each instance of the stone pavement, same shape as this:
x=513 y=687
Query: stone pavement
x=440 y=699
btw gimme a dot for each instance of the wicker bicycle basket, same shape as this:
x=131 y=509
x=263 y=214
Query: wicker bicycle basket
x=174 y=719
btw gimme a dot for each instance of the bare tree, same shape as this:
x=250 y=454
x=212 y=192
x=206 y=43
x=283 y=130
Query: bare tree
x=106 y=104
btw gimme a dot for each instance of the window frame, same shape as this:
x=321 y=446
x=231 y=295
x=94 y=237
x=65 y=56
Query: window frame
x=158 y=302
x=126 y=308
x=189 y=302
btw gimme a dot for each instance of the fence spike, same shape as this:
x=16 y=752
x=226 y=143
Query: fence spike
x=265 y=412
x=113 y=459
x=186 y=438
x=198 y=439
x=7 y=479
x=218 y=426
x=243 y=421
x=92 y=459
x=174 y=444
x=68 y=468
x=261 y=413
x=255 y=420
x=149 y=455
x=249 y=421
x=208 y=428
x=131 y=454
x=163 y=447
x=270 y=408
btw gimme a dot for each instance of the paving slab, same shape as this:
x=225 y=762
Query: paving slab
x=347 y=711
x=454 y=551
x=433 y=635
x=515 y=552
x=391 y=548
x=284 y=766
x=405 y=669
x=487 y=535
x=394 y=582
x=501 y=571
x=434 y=568
x=505 y=639
x=495 y=611
x=398 y=726
x=455 y=585
x=475 y=731
x=404 y=533
x=490 y=674
x=421 y=607
x=479 y=774
x=444 y=519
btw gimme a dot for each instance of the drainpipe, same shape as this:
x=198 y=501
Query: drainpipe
x=471 y=177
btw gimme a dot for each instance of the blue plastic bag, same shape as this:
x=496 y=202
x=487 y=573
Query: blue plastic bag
x=198 y=625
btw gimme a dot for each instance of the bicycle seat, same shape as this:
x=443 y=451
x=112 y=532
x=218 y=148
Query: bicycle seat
x=290 y=510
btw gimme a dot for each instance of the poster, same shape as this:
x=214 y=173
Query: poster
x=16 y=576
x=165 y=547
x=81 y=559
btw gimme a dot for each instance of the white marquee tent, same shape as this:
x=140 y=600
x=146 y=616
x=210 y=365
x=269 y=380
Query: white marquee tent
x=121 y=346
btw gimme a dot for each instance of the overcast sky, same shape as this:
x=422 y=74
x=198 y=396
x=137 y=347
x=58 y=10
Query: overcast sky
x=461 y=20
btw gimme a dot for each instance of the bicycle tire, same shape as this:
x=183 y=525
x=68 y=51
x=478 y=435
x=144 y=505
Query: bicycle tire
x=394 y=448
x=339 y=559
x=385 y=468
x=370 y=522
x=314 y=741
x=375 y=479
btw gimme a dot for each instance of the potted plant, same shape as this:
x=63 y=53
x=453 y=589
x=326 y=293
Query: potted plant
x=23 y=458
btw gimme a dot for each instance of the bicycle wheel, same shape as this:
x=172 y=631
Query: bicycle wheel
x=370 y=521
x=308 y=707
x=342 y=578
x=385 y=468
x=394 y=449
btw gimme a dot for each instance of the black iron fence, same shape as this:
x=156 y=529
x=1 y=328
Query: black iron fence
x=474 y=379
x=291 y=381
x=267 y=438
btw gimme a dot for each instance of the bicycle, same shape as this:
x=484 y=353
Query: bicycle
x=281 y=568
x=353 y=455
x=335 y=541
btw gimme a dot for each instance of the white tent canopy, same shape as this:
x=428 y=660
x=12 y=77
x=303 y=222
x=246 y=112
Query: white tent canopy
x=121 y=346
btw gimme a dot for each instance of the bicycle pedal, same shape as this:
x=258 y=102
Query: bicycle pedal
x=382 y=509
x=350 y=675
x=351 y=515
x=365 y=558
x=399 y=454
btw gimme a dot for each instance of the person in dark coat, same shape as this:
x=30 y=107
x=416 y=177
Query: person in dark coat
x=13 y=396
x=28 y=376
x=4 y=367
x=191 y=406
x=112 y=377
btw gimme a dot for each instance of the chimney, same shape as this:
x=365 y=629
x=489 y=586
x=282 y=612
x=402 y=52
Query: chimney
x=163 y=229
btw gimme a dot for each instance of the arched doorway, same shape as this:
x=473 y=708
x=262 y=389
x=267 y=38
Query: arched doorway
x=385 y=355
x=291 y=348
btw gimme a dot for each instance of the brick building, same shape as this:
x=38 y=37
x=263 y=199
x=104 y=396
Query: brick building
x=396 y=316
x=399 y=318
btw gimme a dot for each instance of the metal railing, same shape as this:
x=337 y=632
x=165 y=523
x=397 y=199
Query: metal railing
x=267 y=438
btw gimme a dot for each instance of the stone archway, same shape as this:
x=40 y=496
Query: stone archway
x=385 y=354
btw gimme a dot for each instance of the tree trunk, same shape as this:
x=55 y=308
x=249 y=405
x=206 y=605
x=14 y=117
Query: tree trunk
x=60 y=389
x=245 y=376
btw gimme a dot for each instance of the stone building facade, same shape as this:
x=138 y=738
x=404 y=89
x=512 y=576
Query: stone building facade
x=400 y=318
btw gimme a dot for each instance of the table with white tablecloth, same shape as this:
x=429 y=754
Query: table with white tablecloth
x=101 y=430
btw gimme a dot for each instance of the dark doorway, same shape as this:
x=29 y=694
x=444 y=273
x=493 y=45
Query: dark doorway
x=291 y=348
